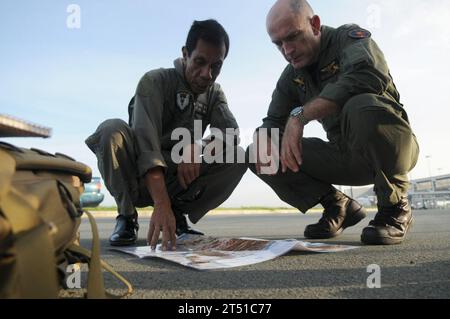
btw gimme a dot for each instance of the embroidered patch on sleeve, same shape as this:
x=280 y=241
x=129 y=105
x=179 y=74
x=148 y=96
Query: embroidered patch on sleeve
x=359 y=34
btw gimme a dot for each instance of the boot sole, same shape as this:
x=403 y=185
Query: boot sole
x=123 y=243
x=387 y=241
x=356 y=217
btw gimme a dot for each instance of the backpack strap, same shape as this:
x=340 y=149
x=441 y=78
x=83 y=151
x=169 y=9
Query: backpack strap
x=96 y=288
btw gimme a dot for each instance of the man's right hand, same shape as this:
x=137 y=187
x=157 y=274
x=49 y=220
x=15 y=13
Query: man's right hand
x=163 y=220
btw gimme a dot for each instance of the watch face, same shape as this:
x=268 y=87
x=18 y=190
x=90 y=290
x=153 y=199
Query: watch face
x=296 y=111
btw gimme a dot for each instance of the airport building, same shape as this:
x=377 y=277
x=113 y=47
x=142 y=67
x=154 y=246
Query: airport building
x=430 y=192
x=425 y=193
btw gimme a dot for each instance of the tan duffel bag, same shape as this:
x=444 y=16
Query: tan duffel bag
x=40 y=215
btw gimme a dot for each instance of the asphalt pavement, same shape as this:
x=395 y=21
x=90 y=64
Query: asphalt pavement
x=419 y=268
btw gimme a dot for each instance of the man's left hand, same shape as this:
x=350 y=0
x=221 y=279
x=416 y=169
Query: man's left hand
x=291 y=147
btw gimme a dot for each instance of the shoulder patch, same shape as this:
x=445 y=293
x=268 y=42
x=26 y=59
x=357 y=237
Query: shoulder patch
x=359 y=34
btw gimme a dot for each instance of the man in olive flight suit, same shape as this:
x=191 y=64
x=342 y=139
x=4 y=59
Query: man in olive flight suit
x=136 y=159
x=340 y=78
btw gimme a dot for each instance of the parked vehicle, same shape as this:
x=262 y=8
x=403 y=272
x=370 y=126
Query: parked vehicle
x=422 y=205
x=92 y=196
x=366 y=202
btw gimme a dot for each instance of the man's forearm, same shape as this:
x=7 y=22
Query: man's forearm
x=156 y=185
x=319 y=109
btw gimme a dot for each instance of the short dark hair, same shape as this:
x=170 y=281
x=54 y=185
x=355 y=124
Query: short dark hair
x=209 y=31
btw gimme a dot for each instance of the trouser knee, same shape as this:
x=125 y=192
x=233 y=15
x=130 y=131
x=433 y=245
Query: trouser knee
x=380 y=132
x=110 y=132
x=365 y=122
x=113 y=132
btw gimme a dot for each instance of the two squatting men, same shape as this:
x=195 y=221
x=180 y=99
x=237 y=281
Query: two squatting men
x=338 y=77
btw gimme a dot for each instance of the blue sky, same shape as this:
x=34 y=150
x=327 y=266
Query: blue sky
x=73 y=79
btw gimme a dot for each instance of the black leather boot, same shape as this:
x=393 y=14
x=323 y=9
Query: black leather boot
x=126 y=231
x=390 y=225
x=340 y=213
x=183 y=226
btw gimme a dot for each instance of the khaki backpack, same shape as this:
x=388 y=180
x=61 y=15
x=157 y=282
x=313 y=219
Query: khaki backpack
x=40 y=215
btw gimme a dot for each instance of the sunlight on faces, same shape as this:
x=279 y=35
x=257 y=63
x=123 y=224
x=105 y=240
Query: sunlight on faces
x=297 y=36
x=203 y=66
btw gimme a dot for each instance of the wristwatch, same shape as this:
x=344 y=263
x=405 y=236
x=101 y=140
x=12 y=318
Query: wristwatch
x=298 y=113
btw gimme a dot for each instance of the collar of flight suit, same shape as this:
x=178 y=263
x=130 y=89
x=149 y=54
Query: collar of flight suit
x=325 y=40
x=180 y=67
x=325 y=43
x=200 y=101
